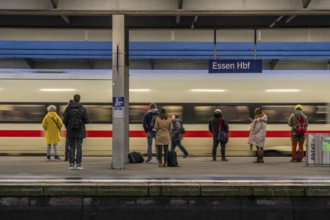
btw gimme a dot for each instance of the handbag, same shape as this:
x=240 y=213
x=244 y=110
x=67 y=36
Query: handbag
x=222 y=136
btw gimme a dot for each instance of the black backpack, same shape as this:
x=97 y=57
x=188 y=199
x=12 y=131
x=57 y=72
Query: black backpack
x=135 y=157
x=152 y=121
x=75 y=119
x=172 y=159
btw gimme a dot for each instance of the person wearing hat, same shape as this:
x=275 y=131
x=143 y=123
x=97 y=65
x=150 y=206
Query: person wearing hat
x=217 y=124
x=298 y=122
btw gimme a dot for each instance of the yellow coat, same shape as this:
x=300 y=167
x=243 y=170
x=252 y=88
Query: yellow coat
x=53 y=133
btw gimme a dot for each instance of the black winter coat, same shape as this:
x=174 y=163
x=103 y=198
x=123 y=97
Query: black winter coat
x=215 y=123
x=81 y=133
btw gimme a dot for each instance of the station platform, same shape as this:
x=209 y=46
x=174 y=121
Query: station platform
x=199 y=188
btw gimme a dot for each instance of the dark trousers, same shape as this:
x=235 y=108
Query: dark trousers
x=260 y=153
x=75 y=144
x=67 y=148
x=214 y=149
x=160 y=151
x=178 y=143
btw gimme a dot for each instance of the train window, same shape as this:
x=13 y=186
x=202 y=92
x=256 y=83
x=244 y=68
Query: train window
x=239 y=113
x=281 y=113
x=136 y=113
x=96 y=113
x=22 y=113
x=173 y=110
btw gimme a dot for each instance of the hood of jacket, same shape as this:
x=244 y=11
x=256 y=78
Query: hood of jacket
x=217 y=114
x=153 y=111
x=75 y=105
x=51 y=114
x=263 y=118
x=298 y=112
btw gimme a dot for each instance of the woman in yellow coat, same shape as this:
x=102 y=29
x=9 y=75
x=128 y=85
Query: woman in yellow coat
x=52 y=124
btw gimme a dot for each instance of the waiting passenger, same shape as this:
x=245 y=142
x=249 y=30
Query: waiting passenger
x=67 y=140
x=148 y=126
x=52 y=124
x=75 y=119
x=258 y=133
x=176 y=135
x=298 y=122
x=217 y=124
x=162 y=126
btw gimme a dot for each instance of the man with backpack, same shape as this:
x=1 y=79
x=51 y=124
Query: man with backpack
x=148 y=126
x=298 y=122
x=75 y=117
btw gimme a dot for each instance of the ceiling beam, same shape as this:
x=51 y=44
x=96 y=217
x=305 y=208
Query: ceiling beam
x=29 y=62
x=54 y=3
x=305 y=3
x=273 y=63
x=194 y=22
x=174 y=12
x=66 y=19
x=180 y=6
x=276 y=21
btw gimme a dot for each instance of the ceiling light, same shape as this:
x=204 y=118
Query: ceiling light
x=57 y=90
x=283 y=90
x=140 y=90
x=207 y=90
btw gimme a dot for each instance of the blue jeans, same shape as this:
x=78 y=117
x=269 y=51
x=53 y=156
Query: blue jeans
x=150 y=135
x=75 y=143
x=55 y=149
x=178 y=143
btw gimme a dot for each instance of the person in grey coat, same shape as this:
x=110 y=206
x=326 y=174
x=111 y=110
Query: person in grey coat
x=176 y=135
x=258 y=133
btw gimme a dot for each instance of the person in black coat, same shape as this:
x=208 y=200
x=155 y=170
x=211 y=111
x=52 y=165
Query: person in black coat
x=75 y=117
x=214 y=125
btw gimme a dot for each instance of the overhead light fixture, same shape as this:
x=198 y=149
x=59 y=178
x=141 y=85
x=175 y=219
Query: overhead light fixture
x=207 y=90
x=57 y=90
x=282 y=90
x=140 y=90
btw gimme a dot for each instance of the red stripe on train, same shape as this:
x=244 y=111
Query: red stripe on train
x=140 y=134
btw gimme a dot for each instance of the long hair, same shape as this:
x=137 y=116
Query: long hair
x=163 y=114
x=258 y=113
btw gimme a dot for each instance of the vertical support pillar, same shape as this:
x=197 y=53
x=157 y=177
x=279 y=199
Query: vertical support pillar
x=120 y=93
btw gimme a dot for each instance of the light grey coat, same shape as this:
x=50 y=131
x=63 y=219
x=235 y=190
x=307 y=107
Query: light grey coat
x=258 y=131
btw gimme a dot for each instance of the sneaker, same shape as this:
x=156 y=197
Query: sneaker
x=224 y=159
x=185 y=156
x=57 y=158
x=148 y=161
x=79 y=167
x=48 y=157
x=293 y=161
x=71 y=167
x=214 y=159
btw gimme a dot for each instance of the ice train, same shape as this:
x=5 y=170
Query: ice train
x=192 y=94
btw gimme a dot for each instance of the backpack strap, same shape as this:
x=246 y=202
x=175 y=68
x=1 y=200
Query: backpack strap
x=56 y=124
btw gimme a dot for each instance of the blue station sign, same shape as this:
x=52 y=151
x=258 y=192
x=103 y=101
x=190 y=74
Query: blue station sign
x=235 y=66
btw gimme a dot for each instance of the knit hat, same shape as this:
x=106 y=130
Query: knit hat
x=217 y=111
x=298 y=107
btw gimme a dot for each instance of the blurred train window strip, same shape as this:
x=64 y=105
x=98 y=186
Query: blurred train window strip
x=280 y=113
x=97 y=113
x=233 y=114
x=22 y=113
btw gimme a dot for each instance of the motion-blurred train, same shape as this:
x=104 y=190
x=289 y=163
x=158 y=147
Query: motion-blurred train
x=194 y=95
